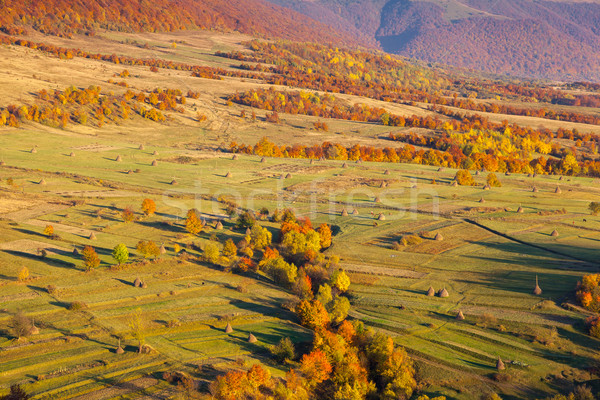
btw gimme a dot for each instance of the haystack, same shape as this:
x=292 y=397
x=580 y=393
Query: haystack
x=228 y=328
x=141 y=147
x=252 y=338
x=381 y=217
x=219 y=226
x=75 y=251
x=359 y=161
x=557 y=190
x=377 y=200
x=383 y=184
x=507 y=173
x=155 y=153
x=537 y=290
x=487 y=187
x=42 y=182
x=443 y=293
x=344 y=165
x=154 y=163
x=520 y=210
x=386 y=172
x=529 y=175
x=500 y=365
x=2 y=163
x=321 y=158
x=228 y=175
x=33 y=150
x=119 y=349
x=482 y=200
x=235 y=157
x=413 y=186
x=454 y=184
x=72 y=154
x=439 y=237
x=344 y=213
x=144 y=285
x=288 y=176
x=34 y=330
x=162 y=249
x=460 y=316
x=430 y=292
x=263 y=160
x=441 y=169
x=92 y=236
x=355 y=212
x=560 y=179
x=129 y=171
x=477 y=173
x=535 y=189
x=312 y=161
x=118 y=159
x=554 y=233
x=137 y=282
x=173 y=182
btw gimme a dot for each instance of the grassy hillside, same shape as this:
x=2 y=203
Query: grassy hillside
x=488 y=259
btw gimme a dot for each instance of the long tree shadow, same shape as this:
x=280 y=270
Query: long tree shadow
x=47 y=260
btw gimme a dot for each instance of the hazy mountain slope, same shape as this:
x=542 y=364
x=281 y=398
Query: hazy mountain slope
x=255 y=17
x=553 y=39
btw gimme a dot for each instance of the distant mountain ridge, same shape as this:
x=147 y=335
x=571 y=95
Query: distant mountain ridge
x=541 y=38
x=254 y=17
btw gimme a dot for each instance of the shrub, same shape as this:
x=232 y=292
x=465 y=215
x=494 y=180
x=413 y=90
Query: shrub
x=127 y=214
x=464 y=178
x=245 y=220
x=23 y=274
x=49 y=230
x=594 y=207
x=77 y=305
x=493 y=180
x=284 y=350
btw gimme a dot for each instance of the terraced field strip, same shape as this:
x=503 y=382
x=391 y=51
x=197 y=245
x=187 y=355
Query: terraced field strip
x=385 y=271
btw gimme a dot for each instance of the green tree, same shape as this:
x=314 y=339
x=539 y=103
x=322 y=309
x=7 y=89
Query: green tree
x=338 y=310
x=284 y=350
x=245 y=220
x=120 y=253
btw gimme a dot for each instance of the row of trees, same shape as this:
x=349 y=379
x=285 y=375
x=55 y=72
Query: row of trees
x=452 y=157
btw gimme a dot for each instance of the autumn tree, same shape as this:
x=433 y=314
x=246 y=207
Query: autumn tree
x=148 y=248
x=49 y=230
x=260 y=237
x=315 y=367
x=281 y=271
x=90 y=258
x=324 y=235
x=245 y=220
x=20 y=325
x=120 y=253
x=340 y=280
x=493 y=180
x=148 y=207
x=312 y=314
x=128 y=214
x=211 y=252
x=23 y=274
x=229 y=249
x=464 y=178
x=137 y=328
x=193 y=224
x=594 y=207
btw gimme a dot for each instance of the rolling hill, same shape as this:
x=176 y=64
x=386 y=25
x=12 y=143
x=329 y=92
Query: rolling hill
x=253 y=17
